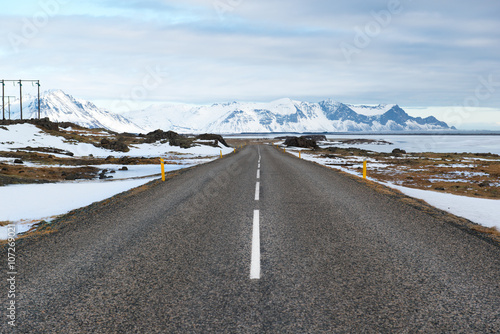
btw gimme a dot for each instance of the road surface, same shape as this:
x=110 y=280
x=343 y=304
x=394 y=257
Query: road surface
x=228 y=247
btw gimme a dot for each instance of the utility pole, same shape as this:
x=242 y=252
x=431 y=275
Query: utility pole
x=21 y=97
x=20 y=82
x=38 y=84
x=8 y=103
x=3 y=100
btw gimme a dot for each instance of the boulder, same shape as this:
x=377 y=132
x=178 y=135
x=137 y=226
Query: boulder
x=160 y=134
x=114 y=145
x=301 y=142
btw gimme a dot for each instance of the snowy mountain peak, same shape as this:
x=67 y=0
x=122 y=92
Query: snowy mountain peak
x=61 y=107
x=372 y=110
x=283 y=115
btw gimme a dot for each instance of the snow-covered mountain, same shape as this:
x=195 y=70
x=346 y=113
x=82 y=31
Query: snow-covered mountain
x=61 y=107
x=282 y=115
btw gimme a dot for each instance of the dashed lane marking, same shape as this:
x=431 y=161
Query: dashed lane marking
x=255 y=263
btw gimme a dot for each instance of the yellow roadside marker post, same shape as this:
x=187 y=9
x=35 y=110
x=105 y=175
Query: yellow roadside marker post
x=364 y=169
x=221 y=153
x=162 y=169
x=300 y=155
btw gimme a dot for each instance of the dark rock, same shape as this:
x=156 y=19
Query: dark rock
x=210 y=136
x=172 y=137
x=47 y=124
x=484 y=184
x=109 y=157
x=114 y=145
x=124 y=168
x=103 y=175
x=439 y=188
x=181 y=142
x=398 y=151
x=301 y=142
x=160 y=134
x=18 y=161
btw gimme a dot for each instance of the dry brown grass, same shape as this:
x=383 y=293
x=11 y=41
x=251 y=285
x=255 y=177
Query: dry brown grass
x=489 y=230
x=466 y=174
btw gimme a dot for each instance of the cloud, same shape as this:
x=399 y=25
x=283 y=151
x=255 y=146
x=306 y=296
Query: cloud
x=428 y=53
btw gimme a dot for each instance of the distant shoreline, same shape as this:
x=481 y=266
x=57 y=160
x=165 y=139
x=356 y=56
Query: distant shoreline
x=384 y=133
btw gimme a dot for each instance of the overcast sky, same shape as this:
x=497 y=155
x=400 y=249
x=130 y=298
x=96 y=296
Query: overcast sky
x=430 y=57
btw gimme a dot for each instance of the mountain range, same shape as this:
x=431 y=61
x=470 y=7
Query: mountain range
x=284 y=115
x=61 y=107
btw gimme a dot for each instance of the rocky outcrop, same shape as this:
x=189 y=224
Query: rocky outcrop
x=301 y=142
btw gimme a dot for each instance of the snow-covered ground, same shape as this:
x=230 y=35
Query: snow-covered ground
x=26 y=205
x=24 y=135
x=478 y=210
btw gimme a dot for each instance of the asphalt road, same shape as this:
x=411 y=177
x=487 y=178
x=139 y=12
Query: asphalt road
x=334 y=256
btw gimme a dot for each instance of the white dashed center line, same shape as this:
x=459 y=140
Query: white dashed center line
x=255 y=264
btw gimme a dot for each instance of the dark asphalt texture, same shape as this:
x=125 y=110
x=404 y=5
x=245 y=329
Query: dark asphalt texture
x=337 y=257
